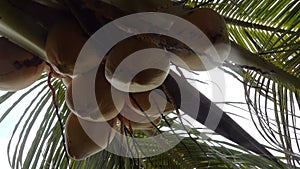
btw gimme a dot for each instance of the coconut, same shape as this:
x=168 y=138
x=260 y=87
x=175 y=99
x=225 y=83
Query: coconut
x=133 y=65
x=85 y=138
x=142 y=126
x=66 y=81
x=102 y=108
x=18 y=68
x=213 y=53
x=133 y=116
x=64 y=43
x=152 y=103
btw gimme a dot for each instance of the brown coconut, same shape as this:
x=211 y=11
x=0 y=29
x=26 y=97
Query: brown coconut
x=142 y=126
x=64 y=43
x=85 y=138
x=141 y=72
x=133 y=116
x=66 y=80
x=214 y=27
x=152 y=103
x=85 y=107
x=18 y=68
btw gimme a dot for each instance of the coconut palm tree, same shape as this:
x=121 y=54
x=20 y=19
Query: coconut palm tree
x=265 y=42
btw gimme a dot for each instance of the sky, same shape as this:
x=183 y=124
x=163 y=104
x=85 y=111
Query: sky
x=8 y=124
x=6 y=128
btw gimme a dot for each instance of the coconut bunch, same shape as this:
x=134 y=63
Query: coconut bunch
x=18 y=67
x=105 y=103
x=112 y=106
x=127 y=84
x=125 y=90
x=134 y=112
x=67 y=34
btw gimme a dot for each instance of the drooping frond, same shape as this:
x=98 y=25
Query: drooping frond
x=269 y=30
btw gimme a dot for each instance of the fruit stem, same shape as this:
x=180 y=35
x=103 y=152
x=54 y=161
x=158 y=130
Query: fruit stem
x=54 y=101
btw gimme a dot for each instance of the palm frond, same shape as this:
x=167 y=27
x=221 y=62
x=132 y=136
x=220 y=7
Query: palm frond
x=269 y=30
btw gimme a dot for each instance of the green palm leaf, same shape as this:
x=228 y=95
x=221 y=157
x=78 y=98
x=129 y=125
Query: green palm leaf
x=270 y=30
